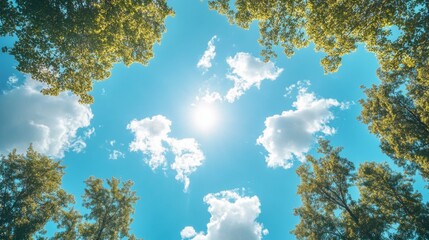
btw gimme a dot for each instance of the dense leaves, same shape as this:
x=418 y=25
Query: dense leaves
x=110 y=209
x=67 y=44
x=31 y=196
x=385 y=207
x=398 y=113
x=335 y=27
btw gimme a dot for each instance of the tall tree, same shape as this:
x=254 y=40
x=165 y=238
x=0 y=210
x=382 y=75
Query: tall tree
x=30 y=194
x=397 y=32
x=110 y=209
x=401 y=121
x=389 y=196
x=109 y=214
x=386 y=207
x=67 y=44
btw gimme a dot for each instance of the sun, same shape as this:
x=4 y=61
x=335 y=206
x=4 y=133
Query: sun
x=205 y=117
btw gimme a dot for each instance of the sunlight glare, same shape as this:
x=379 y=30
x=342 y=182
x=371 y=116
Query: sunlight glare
x=205 y=117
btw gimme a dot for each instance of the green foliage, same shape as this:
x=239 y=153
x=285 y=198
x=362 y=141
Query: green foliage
x=397 y=111
x=109 y=216
x=401 y=123
x=335 y=27
x=30 y=194
x=387 y=207
x=110 y=209
x=389 y=196
x=67 y=44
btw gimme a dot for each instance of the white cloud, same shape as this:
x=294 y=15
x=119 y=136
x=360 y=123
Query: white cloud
x=299 y=85
x=49 y=122
x=233 y=217
x=78 y=145
x=116 y=154
x=290 y=134
x=88 y=133
x=12 y=80
x=210 y=97
x=188 y=157
x=248 y=71
x=151 y=138
x=188 y=232
x=209 y=54
x=346 y=105
x=112 y=142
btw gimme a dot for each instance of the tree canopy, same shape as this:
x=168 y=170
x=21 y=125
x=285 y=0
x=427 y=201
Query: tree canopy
x=110 y=209
x=385 y=207
x=336 y=27
x=67 y=44
x=31 y=196
x=397 y=32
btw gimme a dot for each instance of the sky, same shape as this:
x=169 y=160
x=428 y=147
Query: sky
x=210 y=135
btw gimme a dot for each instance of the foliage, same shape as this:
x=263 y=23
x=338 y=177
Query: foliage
x=109 y=216
x=67 y=44
x=31 y=196
x=387 y=207
x=30 y=193
x=110 y=209
x=397 y=32
x=400 y=118
x=335 y=27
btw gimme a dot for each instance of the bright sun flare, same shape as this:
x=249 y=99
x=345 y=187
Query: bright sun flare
x=205 y=117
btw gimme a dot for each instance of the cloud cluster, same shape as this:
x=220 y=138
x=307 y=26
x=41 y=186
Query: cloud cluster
x=290 y=134
x=49 y=123
x=206 y=60
x=210 y=97
x=233 y=217
x=248 y=71
x=151 y=138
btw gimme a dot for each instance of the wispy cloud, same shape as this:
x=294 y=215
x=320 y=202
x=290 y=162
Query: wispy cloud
x=12 y=80
x=232 y=216
x=151 y=137
x=248 y=71
x=188 y=157
x=115 y=154
x=205 y=61
x=210 y=97
x=290 y=134
x=50 y=123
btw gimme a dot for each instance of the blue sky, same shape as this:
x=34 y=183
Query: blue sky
x=144 y=126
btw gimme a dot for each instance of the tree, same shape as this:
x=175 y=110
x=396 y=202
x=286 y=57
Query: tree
x=30 y=194
x=67 y=44
x=397 y=111
x=401 y=121
x=335 y=27
x=390 y=196
x=110 y=210
x=387 y=207
x=109 y=216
